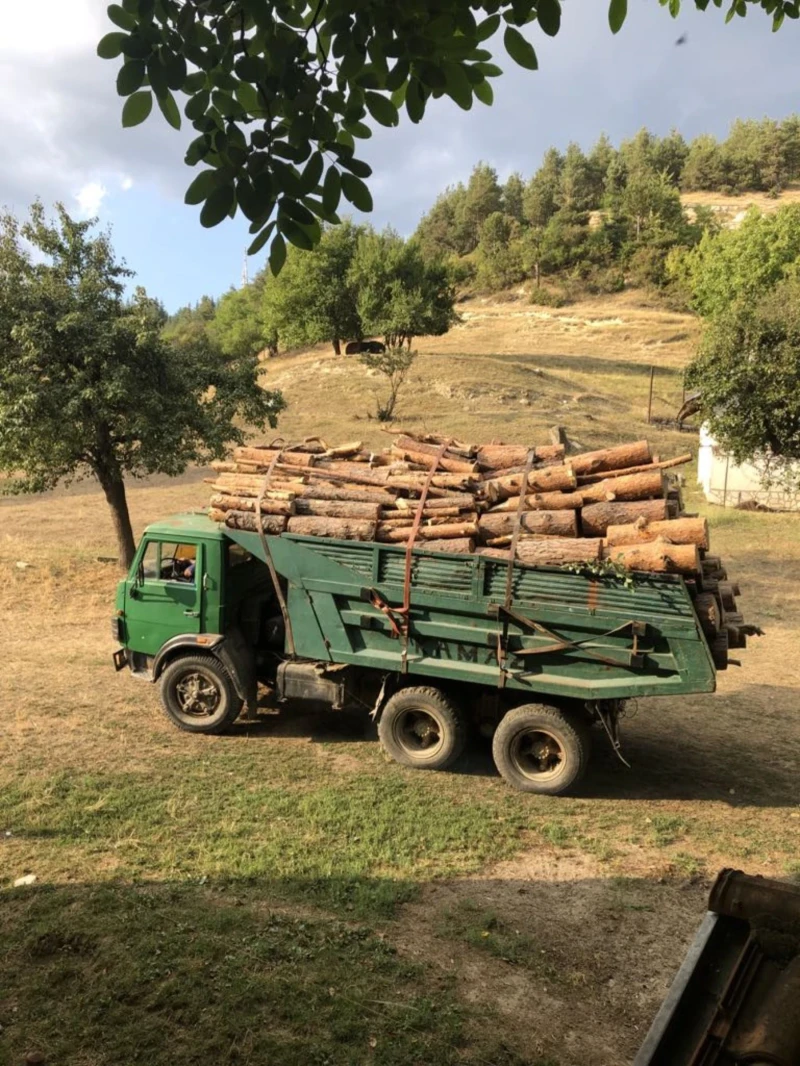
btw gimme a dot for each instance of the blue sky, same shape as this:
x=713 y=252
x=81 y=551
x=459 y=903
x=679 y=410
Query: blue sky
x=62 y=137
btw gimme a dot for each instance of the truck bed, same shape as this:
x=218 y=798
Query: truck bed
x=560 y=633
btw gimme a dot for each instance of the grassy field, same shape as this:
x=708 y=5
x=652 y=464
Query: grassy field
x=283 y=894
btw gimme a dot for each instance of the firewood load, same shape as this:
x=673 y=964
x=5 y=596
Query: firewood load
x=616 y=508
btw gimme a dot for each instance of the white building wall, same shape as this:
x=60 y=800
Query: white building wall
x=729 y=484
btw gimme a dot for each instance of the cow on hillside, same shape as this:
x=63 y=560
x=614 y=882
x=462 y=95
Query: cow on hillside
x=370 y=347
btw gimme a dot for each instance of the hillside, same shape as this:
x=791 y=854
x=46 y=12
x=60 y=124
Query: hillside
x=732 y=209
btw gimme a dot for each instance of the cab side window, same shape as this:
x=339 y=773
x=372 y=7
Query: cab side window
x=169 y=561
x=150 y=569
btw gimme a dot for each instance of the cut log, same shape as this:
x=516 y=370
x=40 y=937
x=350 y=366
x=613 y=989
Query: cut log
x=342 y=467
x=655 y=465
x=462 y=500
x=502 y=456
x=394 y=535
x=344 y=451
x=356 y=493
x=222 y=502
x=233 y=488
x=543 y=501
x=493 y=553
x=634 y=487
x=337 y=508
x=554 y=523
x=337 y=528
x=425 y=455
x=414 y=482
x=707 y=611
x=264 y=456
x=676 y=530
x=597 y=517
x=270 y=523
x=617 y=458
x=389 y=514
x=545 y=479
x=656 y=557
x=553 y=551
x=456 y=545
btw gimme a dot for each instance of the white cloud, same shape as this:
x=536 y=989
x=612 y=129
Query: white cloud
x=90 y=196
x=126 y=182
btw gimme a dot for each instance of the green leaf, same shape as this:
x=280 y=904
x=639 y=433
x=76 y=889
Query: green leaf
x=137 y=108
x=175 y=66
x=169 y=109
x=356 y=166
x=295 y=233
x=261 y=239
x=247 y=95
x=202 y=186
x=381 y=108
x=217 y=206
x=489 y=70
x=198 y=105
x=277 y=255
x=397 y=75
x=130 y=77
x=312 y=172
x=617 y=13
x=356 y=192
x=487 y=28
x=549 y=15
x=110 y=46
x=120 y=17
x=331 y=189
x=294 y=210
x=521 y=50
x=459 y=87
x=415 y=101
x=484 y=93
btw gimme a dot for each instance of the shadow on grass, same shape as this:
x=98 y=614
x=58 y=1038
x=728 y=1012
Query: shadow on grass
x=665 y=763
x=253 y=971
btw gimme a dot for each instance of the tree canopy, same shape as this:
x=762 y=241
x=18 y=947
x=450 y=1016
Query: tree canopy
x=280 y=91
x=88 y=382
x=748 y=371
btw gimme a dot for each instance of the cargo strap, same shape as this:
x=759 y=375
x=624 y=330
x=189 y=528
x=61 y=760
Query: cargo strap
x=512 y=554
x=273 y=573
x=637 y=629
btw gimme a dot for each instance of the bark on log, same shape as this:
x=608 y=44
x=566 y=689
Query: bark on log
x=415 y=482
x=655 y=465
x=597 y=517
x=620 y=457
x=389 y=514
x=337 y=528
x=340 y=467
x=656 y=557
x=394 y=535
x=553 y=523
x=502 y=456
x=462 y=500
x=337 y=508
x=553 y=551
x=423 y=454
x=708 y=614
x=493 y=553
x=634 y=487
x=356 y=493
x=456 y=545
x=542 y=501
x=233 y=488
x=545 y=479
x=221 y=502
x=270 y=523
x=264 y=456
x=675 y=530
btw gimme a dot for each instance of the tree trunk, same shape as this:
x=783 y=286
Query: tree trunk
x=337 y=508
x=114 y=490
x=542 y=501
x=553 y=551
x=544 y=479
x=657 y=556
x=651 y=485
x=675 y=530
x=636 y=453
x=337 y=346
x=597 y=517
x=337 y=528
x=553 y=523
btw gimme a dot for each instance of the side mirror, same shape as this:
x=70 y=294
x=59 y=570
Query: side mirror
x=139 y=580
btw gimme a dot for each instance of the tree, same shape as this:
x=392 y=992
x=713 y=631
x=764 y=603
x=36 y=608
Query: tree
x=740 y=264
x=242 y=325
x=482 y=197
x=575 y=190
x=312 y=300
x=500 y=254
x=748 y=373
x=399 y=294
x=88 y=383
x=513 y=194
x=540 y=200
x=600 y=158
x=279 y=91
x=190 y=324
x=394 y=364
x=705 y=165
x=650 y=200
x=438 y=231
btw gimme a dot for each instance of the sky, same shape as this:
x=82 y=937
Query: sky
x=62 y=137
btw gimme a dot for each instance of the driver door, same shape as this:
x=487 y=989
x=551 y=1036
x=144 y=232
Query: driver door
x=162 y=600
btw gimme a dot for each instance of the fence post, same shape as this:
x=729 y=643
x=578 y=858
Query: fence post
x=650 y=397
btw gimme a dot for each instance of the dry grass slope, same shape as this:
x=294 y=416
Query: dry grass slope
x=285 y=894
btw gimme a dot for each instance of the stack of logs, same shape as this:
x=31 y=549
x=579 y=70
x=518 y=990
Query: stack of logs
x=617 y=504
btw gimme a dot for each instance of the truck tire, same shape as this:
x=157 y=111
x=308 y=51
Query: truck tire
x=421 y=728
x=537 y=748
x=198 y=695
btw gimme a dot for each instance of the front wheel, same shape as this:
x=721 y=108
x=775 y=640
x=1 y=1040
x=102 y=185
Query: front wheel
x=420 y=727
x=198 y=695
x=537 y=748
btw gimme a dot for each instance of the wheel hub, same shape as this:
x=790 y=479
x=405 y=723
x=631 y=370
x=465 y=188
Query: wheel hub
x=197 y=696
x=536 y=753
x=419 y=731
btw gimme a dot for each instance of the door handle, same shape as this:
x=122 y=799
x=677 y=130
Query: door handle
x=192 y=614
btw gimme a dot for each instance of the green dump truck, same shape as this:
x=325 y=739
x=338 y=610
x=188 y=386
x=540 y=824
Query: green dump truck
x=430 y=644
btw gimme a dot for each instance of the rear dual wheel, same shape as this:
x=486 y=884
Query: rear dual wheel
x=538 y=748
x=421 y=727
